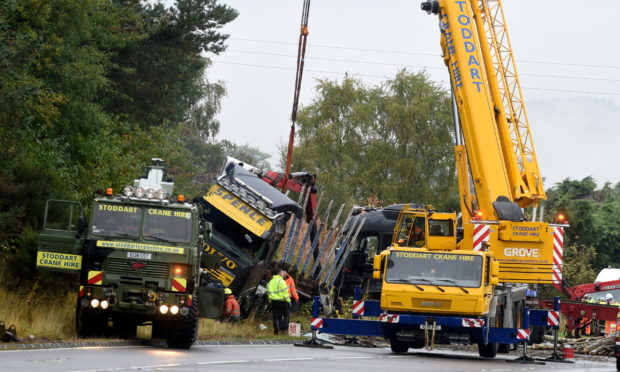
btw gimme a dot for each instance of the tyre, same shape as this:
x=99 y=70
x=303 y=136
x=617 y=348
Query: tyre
x=88 y=324
x=124 y=327
x=398 y=346
x=487 y=351
x=617 y=364
x=182 y=331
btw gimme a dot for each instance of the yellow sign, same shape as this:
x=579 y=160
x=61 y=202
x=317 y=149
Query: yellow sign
x=140 y=247
x=59 y=260
x=238 y=210
x=223 y=276
x=435 y=256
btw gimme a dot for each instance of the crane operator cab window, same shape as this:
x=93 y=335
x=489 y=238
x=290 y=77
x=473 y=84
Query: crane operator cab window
x=412 y=232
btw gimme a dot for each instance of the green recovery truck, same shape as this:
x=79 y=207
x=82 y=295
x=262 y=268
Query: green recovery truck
x=138 y=259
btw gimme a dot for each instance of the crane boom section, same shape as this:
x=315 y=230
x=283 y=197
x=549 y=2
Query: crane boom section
x=464 y=58
x=512 y=120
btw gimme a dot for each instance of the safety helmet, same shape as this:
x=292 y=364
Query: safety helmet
x=227 y=291
x=609 y=296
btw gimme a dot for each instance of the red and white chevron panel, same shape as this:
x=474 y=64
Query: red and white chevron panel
x=481 y=234
x=473 y=323
x=389 y=318
x=358 y=308
x=316 y=322
x=523 y=334
x=553 y=318
x=558 y=254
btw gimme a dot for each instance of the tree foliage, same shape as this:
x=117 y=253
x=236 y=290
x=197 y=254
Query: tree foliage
x=390 y=143
x=593 y=217
x=90 y=91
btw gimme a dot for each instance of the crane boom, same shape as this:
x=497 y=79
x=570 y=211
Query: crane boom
x=496 y=150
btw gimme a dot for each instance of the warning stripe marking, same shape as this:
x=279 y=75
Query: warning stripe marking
x=553 y=318
x=358 y=308
x=316 y=323
x=178 y=285
x=558 y=254
x=523 y=334
x=95 y=277
x=482 y=233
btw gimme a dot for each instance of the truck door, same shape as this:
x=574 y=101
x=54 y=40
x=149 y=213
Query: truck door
x=62 y=238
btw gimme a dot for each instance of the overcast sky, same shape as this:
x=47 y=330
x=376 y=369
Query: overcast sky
x=567 y=52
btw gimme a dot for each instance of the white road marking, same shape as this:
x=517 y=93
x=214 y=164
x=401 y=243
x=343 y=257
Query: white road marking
x=354 y=357
x=285 y=359
x=223 y=362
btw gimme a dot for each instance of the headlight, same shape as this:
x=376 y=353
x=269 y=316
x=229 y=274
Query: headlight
x=104 y=304
x=139 y=192
x=150 y=193
x=163 y=309
x=94 y=303
x=174 y=309
x=128 y=190
x=161 y=194
x=260 y=205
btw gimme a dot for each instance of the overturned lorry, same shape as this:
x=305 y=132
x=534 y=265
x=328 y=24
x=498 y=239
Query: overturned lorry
x=248 y=218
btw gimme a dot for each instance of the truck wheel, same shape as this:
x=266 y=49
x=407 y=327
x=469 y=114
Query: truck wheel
x=398 y=346
x=123 y=327
x=182 y=331
x=488 y=351
x=88 y=324
x=617 y=364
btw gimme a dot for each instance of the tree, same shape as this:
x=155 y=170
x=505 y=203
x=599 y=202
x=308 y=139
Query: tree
x=390 y=143
x=161 y=77
x=593 y=218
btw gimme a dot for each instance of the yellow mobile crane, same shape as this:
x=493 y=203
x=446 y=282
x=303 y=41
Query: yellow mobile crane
x=438 y=290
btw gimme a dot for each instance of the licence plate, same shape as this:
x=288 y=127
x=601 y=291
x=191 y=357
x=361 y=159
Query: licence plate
x=139 y=255
x=430 y=327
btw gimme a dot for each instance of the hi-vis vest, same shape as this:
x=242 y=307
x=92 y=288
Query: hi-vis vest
x=277 y=290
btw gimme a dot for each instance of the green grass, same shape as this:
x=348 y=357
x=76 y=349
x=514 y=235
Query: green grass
x=51 y=317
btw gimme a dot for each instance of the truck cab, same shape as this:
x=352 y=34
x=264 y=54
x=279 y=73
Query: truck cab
x=137 y=257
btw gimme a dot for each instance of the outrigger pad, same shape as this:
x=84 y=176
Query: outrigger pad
x=313 y=344
x=525 y=359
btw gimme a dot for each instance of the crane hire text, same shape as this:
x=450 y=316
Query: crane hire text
x=469 y=47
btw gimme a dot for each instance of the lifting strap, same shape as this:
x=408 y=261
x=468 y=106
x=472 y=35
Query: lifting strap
x=301 y=52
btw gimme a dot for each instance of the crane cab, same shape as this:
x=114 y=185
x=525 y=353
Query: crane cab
x=425 y=228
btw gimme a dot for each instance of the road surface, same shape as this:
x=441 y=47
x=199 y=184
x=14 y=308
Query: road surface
x=267 y=358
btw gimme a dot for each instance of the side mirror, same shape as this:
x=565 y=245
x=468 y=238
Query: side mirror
x=210 y=261
x=377 y=262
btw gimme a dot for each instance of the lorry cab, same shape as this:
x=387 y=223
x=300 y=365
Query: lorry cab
x=248 y=218
x=424 y=272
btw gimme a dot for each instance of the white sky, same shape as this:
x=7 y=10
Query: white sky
x=567 y=52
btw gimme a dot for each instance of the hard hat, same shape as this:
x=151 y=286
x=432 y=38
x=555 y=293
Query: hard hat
x=608 y=296
x=227 y=291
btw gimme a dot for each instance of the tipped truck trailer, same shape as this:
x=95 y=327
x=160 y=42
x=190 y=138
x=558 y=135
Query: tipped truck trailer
x=137 y=259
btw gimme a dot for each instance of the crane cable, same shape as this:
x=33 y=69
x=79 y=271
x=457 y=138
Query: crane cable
x=301 y=52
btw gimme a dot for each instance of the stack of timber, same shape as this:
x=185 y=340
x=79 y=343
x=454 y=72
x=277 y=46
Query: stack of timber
x=584 y=345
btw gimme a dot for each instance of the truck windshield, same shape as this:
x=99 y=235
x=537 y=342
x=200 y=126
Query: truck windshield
x=161 y=224
x=116 y=220
x=167 y=225
x=443 y=269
